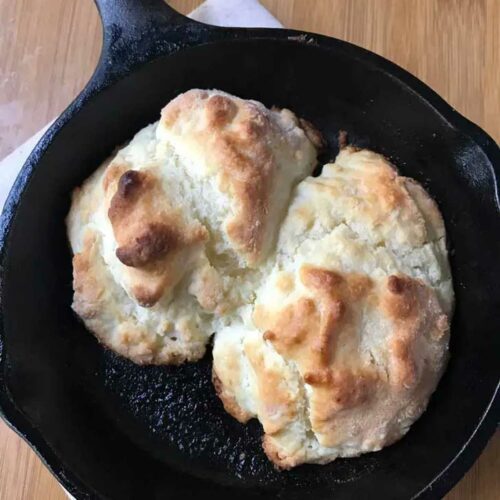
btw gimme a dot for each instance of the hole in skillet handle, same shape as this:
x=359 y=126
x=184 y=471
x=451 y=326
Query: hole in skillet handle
x=138 y=31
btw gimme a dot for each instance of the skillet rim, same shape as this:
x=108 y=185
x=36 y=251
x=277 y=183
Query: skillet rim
x=102 y=78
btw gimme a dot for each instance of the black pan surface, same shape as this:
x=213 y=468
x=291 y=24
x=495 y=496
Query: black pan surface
x=110 y=429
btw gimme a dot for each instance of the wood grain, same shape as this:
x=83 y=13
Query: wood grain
x=48 y=50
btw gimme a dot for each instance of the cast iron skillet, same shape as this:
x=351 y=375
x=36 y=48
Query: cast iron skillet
x=110 y=429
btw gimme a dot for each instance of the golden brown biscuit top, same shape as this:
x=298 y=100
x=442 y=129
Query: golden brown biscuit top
x=150 y=234
x=321 y=330
x=248 y=148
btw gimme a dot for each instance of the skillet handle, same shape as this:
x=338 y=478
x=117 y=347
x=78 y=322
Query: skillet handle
x=136 y=31
x=130 y=15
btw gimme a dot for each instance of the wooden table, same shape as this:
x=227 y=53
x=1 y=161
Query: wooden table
x=48 y=49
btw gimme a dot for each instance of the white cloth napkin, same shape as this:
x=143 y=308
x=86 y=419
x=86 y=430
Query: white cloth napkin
x=240 y=13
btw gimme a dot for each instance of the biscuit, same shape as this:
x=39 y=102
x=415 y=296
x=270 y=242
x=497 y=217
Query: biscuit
x=170 y=233
x=330 y=297
x=349 y=333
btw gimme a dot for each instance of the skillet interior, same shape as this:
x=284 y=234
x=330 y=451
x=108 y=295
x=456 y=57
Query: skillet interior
x=122 y=431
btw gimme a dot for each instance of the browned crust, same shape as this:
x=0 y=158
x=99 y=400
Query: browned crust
x=316 y=321
x=113 y=173
x=409 y=304
x=342 y=388
x=414 y=310
x=285 y=282
x=90 y=299
x=386 y=186
x=208 y=288
x=278 y=458
x=313 y=134
x=276 y=402
x=388 y=193
x=148 y=295
x=228 y=400
x=243 y=153
x=152 y=244
x=343 y=139
x=150 y=234
x=236 y=137
x=251 y=180
x=220 y=111
x=319 y=333
x=142 y=240
x=310 y=332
